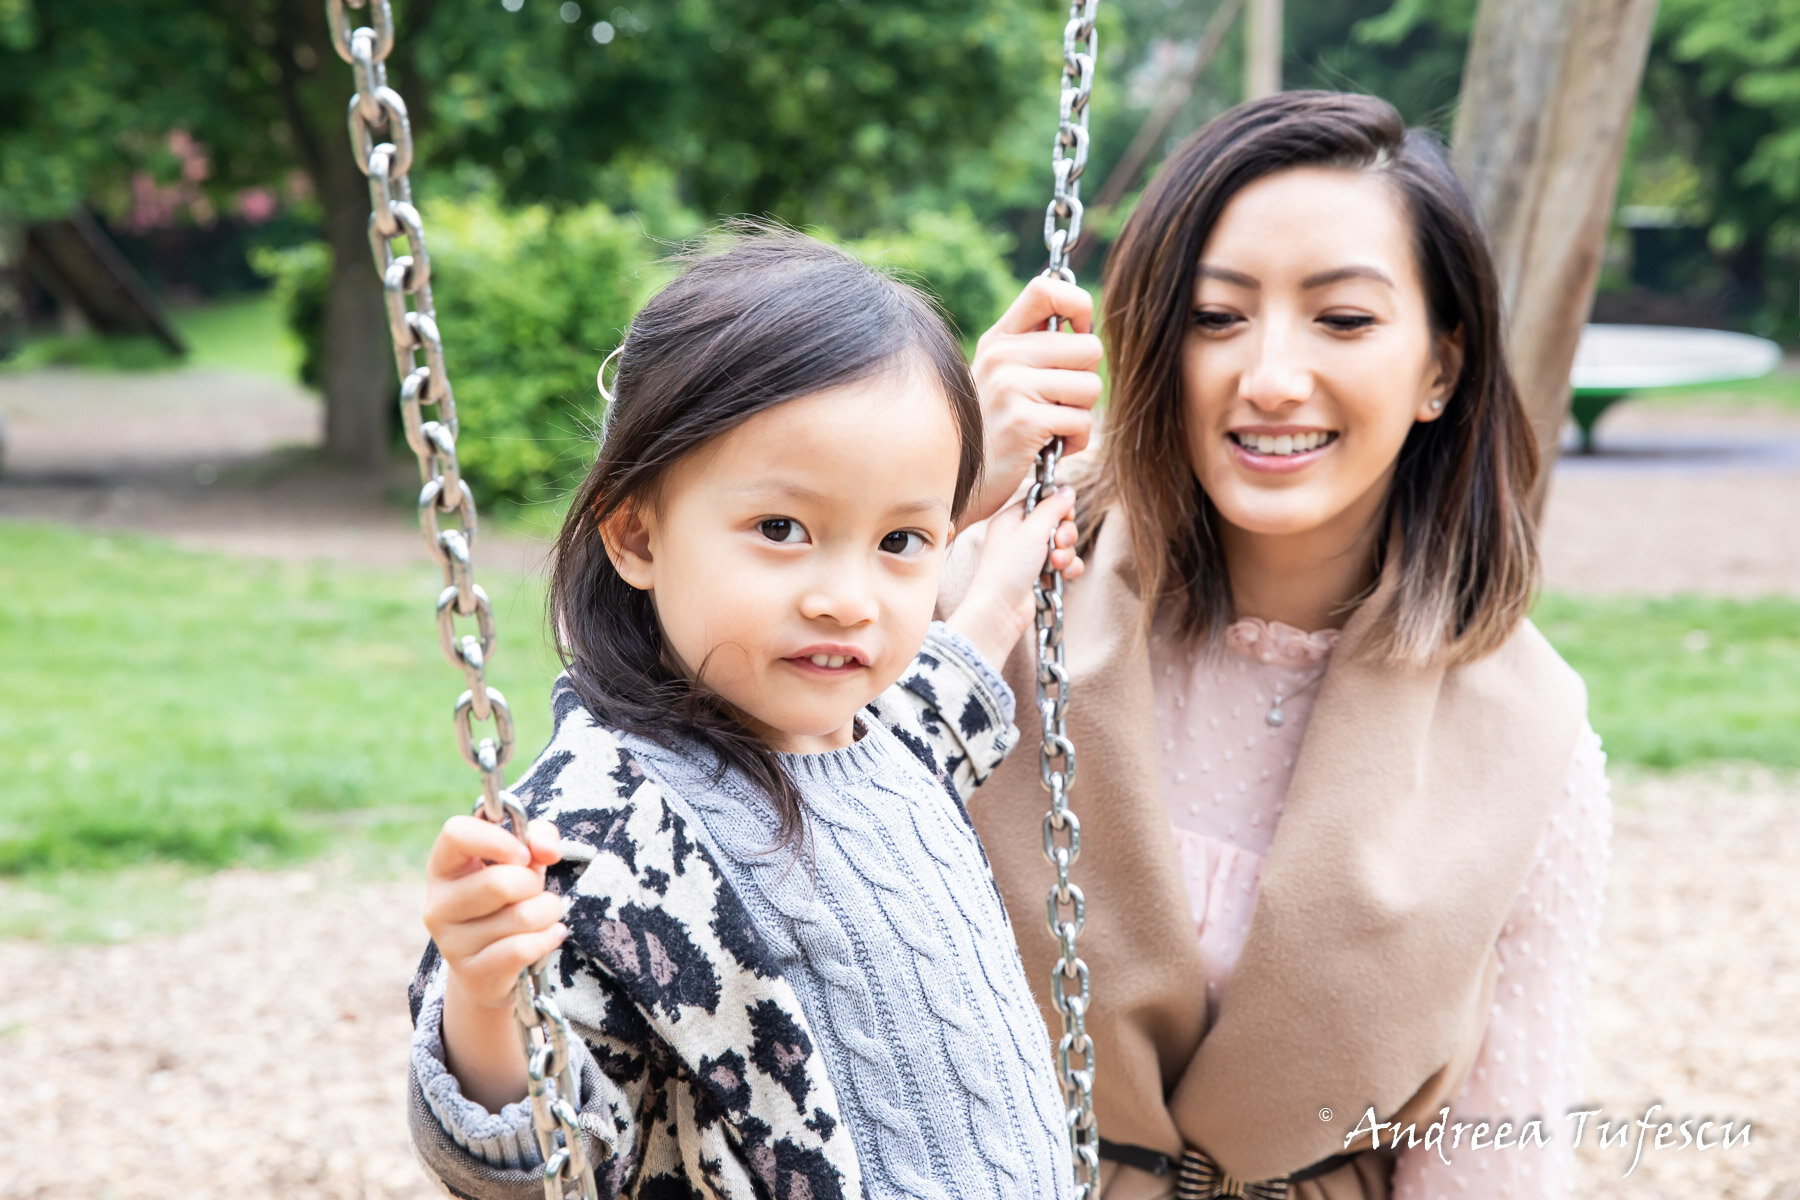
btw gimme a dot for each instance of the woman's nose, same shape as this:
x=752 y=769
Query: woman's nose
x=1277 y=374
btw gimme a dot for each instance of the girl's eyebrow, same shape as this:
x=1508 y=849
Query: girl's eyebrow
x=790 y=490
x=783 y=487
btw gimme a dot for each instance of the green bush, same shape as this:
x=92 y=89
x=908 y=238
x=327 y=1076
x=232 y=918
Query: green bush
x=955 y=258
x=529 y=303
x=301 y=275
x=531 y=300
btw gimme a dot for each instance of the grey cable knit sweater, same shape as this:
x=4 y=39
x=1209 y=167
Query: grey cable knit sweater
x=891 y=933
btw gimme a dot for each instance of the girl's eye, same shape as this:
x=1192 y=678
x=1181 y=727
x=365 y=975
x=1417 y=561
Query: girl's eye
x=1346 y=322
x=782 y=529
x=1213 y=321
x=904 y=541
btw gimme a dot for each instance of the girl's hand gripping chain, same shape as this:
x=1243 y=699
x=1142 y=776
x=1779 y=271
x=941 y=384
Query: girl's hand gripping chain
x=488 y=912
x=997 y=611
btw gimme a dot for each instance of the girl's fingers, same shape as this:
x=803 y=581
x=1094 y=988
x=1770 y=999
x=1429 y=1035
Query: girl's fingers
x=467 y=939
x=1042 y=522
x=1042 y=299
x=546 y=842
x=474 y=896
x=465 y=843
x=489 y=975
x=1061 y=502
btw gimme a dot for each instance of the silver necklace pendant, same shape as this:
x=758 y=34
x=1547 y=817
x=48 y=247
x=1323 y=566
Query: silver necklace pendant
x=1276 y=718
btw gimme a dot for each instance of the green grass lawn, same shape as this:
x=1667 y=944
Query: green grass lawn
x=1780 y=391
x=1685 y=679
x=243 y=333
x=162 y=705
x=194 y=710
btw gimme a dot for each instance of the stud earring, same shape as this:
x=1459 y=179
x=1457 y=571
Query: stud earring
x=1437 y=406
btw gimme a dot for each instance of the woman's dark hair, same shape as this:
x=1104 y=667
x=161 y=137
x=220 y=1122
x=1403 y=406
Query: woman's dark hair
x=1465 y=535
x=773 y=317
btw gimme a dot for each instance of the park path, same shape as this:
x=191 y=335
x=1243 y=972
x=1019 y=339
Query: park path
x=263 y=1051
x=1698 y=501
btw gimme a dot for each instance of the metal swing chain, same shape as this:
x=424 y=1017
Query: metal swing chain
x=381 y=137
x=1066 y=907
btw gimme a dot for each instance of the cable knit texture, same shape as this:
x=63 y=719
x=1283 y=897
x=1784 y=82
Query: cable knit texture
x=891 y=934
x=893 y=937
x=1226 y=769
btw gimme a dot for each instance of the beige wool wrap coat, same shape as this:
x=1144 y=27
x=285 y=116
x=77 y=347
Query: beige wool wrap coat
x=1415 y=811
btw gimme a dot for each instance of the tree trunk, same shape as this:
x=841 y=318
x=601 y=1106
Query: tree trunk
x=1262 y=49
x=12 y=286
x=1546 y=103
x=359 y=376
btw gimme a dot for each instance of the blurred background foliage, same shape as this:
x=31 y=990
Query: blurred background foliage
x=564 y=146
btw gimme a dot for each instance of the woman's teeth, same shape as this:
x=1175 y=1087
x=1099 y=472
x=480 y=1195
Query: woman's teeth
x=1298 y=443
x=829 y=660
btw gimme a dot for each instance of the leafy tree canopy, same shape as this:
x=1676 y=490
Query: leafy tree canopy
x=833 y=111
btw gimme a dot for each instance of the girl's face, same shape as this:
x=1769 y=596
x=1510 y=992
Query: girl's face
x=1310 y=355
x=794 y=561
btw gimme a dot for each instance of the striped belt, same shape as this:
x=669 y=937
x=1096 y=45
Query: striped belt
x=1198 y=1177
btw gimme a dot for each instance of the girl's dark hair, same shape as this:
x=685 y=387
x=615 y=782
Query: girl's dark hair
x=773 y=317
x=1466 y=539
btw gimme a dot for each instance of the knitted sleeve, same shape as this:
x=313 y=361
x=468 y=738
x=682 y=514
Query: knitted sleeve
x=1529 y=1064
x=952 y=709
x=475 y=1152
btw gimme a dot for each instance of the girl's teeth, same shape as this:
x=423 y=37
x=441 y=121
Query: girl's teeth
x=1286 y=444
x=830 y=660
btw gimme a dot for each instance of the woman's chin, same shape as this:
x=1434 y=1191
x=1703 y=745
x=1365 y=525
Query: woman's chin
x=1292 y=516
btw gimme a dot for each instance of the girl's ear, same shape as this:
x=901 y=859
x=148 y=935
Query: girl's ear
x=1447 y=360
x=627 y=539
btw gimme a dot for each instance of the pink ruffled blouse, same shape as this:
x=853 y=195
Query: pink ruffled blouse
x=1231 y=726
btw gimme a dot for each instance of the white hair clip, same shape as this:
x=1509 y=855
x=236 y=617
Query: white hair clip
x=600 y=375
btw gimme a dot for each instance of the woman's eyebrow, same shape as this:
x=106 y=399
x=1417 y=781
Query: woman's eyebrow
x=1227 y=275
x=1339 y=274
x=1318 y=279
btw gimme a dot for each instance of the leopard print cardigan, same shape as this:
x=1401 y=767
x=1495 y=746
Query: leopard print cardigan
x=697 y=1075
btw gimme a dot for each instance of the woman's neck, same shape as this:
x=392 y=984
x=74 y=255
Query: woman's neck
x=1308 y=580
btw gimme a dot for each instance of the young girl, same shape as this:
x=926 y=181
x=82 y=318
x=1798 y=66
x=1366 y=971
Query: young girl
x=1350 y=824
x=785 y=957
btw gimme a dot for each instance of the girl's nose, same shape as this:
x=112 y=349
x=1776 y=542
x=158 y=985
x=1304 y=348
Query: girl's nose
x=1276 y=376
x=842 y=594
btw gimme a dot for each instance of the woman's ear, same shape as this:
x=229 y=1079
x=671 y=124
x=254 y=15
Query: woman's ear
x=627 y=539
x=1447 y=365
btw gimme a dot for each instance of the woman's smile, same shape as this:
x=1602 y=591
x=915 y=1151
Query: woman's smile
x=1279 y=449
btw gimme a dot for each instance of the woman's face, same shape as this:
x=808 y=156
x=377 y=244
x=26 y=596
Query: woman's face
x=1310 y=354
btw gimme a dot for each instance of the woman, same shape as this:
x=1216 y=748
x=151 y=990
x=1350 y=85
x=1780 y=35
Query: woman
x=1344 y=822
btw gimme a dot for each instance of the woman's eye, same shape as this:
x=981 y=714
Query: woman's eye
x=782 y=529
x=1213 y=321
x=1347 y=322
x=904 y=541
